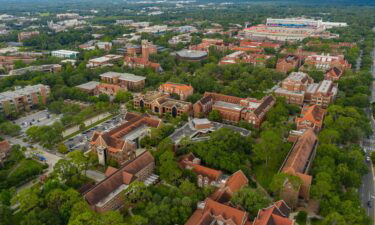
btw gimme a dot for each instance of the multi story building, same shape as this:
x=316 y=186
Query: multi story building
x=206 y=176
x=120 y=143
x=255 y=46
x=333 y=74
x=4 y=151
x=7 y=62
x=96 y=88
x=311 y=117
x=294 y=87
x=65 y=54
x=26 y=35
x=325 y=62
x=107 y=46
x=321 y=94
x=23 y=99
x=124 y=80
x=298 y=163
x=216 y=208
x=49 y=68
x=242 y=57
x=161 y=103
x=276 y=214
x=288 y=63
x=110 y=193
x=103 y=61
x=181 y=90
x=207 y=43
x=234 y=109
x=146 y=49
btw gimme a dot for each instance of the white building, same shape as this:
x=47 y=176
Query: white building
x=65 y=54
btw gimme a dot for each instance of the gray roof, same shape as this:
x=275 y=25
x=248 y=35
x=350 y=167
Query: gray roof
x=123 y=76
x=185 y=53
x=89 y=85
x=9 y=95
x=228 y=105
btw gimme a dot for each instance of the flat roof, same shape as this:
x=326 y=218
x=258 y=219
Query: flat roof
x=20 y=92
x=228 y=105
x=65 y=52
x=185 y=53
x=123 y=76
x=89 y=85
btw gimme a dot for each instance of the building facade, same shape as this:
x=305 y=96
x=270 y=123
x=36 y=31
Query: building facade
x=288 y=63
x=23 y=99
x=124 y=80
x=293 y=88
x=311 y=118
x=234 y=109
x=161 y=103
x=181 y=90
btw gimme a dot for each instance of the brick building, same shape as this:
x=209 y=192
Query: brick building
x=181 y=90
x=207 y=43
x=23 y=99
x=125 y=80
x=216 y=208
x=133 y=61
x=161 y=103
x=4 y=151
x=106 y=60
x=234 y=109
x=321 y=94
x=288 y=63
x=276 y=214
x=26 y=35
x=325 y=62
x=242 y=57
x=293 y=87
x=298 y=163
x=255 y=46
x=121 y=142
x=7 y=62
x=110 y=193
x=206 y=176
x=311 y=117
x=333 y=74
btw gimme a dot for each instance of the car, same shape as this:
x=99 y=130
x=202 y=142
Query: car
x=369 y=204
x=368 y=159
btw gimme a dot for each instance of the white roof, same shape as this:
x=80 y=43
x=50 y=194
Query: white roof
x=123 y=76
x=68 y=52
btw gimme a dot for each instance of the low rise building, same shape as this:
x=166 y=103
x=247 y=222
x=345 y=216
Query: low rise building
x=103 y=61
x=125 y=80
x=298 y=163
x=182 y=90
x=276 y=214
x=110 y=193
x=191 y=55
x=120 y=143
x=65 y=54
x=26 y=35
x=207 y=43
x=161 y=103
x=107 y=46
x=311 y=117
x=288 y=63
x=7 y=62
x=333 y=74
x=23 y=99
x=96 y=88
x=234 y=109
x=49 y=68
x=326 y=62
x=206 y=176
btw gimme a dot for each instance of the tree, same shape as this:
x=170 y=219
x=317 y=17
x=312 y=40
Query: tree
x=123 y=97
x=9 y=128
x=27 y=198
x=103 y=98
x=62 y=148
x=169 y=170
x=251 y=200
x=215 y=115
x=139 y=220
x=268 y=146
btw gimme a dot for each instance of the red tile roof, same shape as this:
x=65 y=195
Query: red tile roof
x=276 y=214
x=234 y=183
x=4 y=146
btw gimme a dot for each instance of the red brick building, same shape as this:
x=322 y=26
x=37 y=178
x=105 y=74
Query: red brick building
x=298 y=163
x=181 y=90
x=321 y=94
x=110 y=193
x=4 y=151
x=311 y=117
x=234 y=109
x=288 y=63
x=161 y=103
x=333 y=74
x=206 y=176
x=293 y=87
x=217 y=210
x=124 y=80
x=276 y=214
x=121 y=142
x=326 y=62
x=133 y=61
x=207 y=43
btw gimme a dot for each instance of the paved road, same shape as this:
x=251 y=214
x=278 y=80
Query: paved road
x=366 y=190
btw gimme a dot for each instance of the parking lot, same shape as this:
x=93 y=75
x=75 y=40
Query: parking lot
x=40 y=118
x=81 y=141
